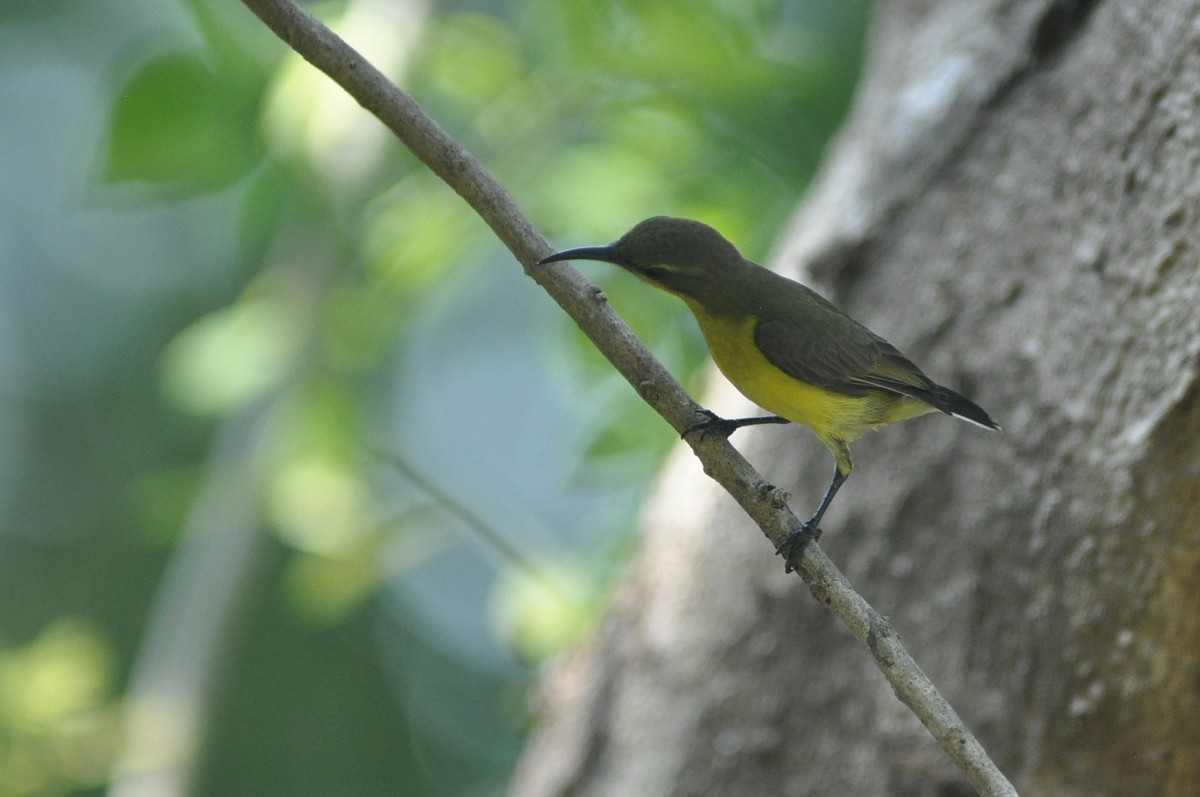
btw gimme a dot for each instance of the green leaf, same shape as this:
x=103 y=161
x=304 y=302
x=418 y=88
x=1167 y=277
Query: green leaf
x=179 y=125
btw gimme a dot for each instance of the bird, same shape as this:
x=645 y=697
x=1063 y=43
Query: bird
x=782 y=345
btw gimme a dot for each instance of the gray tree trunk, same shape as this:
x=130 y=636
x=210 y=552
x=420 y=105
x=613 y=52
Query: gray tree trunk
x=1013 y=203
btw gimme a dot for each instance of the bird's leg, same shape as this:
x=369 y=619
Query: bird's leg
x=839 y=479
x=809 y=531
x=727 y=426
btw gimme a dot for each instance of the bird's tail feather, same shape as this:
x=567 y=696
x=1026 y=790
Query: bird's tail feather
x=960 y=406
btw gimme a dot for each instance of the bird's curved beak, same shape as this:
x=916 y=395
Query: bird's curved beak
x=605 y=254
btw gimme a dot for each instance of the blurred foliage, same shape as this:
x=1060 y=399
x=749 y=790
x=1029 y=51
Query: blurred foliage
x=241 y=254
x=178 y=123
x=58 y=719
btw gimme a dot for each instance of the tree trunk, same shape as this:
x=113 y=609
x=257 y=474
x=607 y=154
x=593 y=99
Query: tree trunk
x=1013 y=203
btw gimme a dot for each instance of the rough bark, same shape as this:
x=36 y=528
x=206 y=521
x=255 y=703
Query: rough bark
x=1012 y=203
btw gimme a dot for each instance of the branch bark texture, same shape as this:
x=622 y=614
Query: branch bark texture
x=765 y=505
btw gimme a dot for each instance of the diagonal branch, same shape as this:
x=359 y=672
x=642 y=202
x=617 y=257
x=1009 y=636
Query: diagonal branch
x=765 y=504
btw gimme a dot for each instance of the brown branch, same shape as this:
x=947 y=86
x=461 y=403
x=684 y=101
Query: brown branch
x=585 y=303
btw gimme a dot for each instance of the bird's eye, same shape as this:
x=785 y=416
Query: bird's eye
x=655 y=273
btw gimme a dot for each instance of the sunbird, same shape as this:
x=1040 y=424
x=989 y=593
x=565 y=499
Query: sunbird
x=786 y=348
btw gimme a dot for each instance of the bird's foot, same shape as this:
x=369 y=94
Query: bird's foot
x=715 y=424
x=712 y=423
x=793 y=547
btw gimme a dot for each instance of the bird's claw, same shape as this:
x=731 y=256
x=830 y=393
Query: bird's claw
x=712 y=423
x=793 y=547
x=727 y=426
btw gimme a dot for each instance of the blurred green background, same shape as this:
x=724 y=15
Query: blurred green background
x=283 y=429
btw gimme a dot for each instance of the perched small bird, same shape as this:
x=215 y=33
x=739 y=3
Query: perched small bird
x=783 y=346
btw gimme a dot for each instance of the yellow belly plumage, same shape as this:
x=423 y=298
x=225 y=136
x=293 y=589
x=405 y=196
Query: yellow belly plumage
x=836 y=419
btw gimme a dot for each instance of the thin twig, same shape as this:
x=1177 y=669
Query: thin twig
x=765 y=504
x=481 y=527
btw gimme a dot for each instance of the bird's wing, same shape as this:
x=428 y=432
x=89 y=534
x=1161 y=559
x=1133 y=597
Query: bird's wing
x=893 y=371
x=827 y=349
x=808 y=350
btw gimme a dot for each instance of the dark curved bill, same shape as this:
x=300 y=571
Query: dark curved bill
x=605 y=254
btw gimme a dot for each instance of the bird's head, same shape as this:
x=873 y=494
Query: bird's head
x=681 y=256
